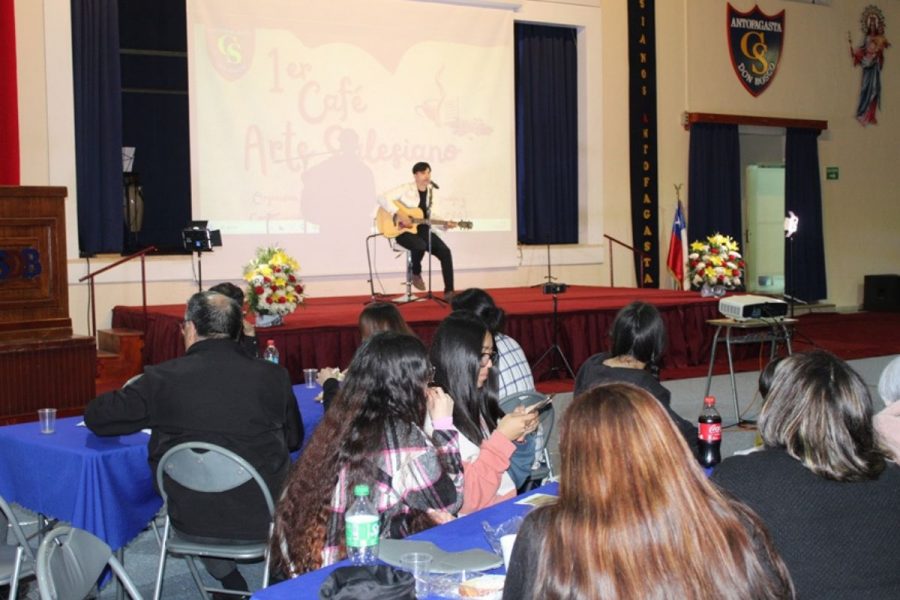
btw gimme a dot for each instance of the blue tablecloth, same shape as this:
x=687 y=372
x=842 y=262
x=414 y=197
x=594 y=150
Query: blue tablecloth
x=101 y=484
x=310 y=411
x=460 y=534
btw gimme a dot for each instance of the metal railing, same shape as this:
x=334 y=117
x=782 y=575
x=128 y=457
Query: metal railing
x=91 y=276
x=634 y=250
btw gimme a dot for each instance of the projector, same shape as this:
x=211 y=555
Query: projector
x=742 y=308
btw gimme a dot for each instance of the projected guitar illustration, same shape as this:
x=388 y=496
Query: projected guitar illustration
x=386 y=223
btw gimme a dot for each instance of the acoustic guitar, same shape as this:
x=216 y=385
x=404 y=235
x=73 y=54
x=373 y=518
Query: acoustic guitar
x=386 y=223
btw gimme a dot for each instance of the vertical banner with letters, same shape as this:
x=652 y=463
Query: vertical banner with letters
x=643 y=140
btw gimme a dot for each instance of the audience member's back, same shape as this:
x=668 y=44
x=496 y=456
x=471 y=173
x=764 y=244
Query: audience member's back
x=822 y=485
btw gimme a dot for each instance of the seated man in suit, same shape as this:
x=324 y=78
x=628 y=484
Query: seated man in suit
x=214 y=393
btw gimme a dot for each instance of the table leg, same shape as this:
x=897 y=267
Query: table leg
x=737 y=410
x=120 y=589
x=712 y=359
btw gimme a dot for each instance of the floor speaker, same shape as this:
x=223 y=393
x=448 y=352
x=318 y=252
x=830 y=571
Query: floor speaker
x=882 y=293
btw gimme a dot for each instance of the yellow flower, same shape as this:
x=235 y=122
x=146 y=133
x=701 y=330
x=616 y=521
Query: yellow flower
x=698 y=246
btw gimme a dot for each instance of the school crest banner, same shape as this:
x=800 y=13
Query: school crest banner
x=754 y=41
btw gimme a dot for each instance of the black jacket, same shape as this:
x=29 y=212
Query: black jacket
x=214 y=393
x=593 y=373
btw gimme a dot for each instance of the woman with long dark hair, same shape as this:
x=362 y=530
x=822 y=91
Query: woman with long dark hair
x=513 y=371
x=373 y=434
x=463 y=356
x=823 y=483
x=636 y=516
x=637 y=344
x=374 y=318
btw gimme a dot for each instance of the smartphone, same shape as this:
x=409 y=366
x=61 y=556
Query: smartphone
x=538 y=406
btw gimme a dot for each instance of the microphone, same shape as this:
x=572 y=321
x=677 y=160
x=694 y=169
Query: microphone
x=435 y=185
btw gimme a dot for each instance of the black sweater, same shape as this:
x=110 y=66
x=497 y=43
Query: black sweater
x=593 y=372
x=838 y=539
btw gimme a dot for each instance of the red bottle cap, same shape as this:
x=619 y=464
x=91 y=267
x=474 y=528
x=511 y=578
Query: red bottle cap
x=709 y=401
x=270 y=342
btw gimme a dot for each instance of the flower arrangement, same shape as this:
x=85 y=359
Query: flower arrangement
x=272 y=288
x=716 y=262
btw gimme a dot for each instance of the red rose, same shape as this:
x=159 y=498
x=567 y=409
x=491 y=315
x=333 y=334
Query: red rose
x=721 y=278
x=269 y=300
x=298 y=288
x=741 y=264
x=282 y=300
x=259 y=290
x=267 y=280
x=714 y=251
x=735 y=273
x=694 y=263
x=273 y=288
x=291 y=278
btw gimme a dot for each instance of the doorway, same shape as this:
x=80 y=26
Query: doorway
x=762 y=191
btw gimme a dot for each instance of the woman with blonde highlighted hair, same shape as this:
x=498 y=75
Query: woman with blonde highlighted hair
x=637 y=518
x=822 y=484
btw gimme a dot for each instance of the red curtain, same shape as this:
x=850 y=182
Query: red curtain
x=9 y=106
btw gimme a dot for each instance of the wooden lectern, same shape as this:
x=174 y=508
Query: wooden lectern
x=41 y=363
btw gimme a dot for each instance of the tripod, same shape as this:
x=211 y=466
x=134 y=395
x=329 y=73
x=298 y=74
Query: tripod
x=199 y=270
x=555 y=350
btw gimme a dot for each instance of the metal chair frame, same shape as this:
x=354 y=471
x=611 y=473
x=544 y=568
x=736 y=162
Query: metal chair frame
x=84 y=556
x=546 y=418
x=213 y=470
x=16 y=560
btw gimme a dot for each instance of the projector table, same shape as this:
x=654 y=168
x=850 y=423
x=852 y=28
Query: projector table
x=753 y=331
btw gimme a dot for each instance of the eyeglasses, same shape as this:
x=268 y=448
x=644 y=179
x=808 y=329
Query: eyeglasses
x=489 y=356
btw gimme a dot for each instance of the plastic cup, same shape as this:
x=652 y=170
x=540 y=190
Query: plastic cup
x=419 y=564
x=47 y=418
x=506 y=544
x=310 y=375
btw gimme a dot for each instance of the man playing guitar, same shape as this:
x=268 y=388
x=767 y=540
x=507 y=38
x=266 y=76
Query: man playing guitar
x=419 y=195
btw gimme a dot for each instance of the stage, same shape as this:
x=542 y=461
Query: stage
x=323 y=332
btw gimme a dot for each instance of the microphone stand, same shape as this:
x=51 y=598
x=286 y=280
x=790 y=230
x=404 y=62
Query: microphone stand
x=555 y=350
x=429 y=295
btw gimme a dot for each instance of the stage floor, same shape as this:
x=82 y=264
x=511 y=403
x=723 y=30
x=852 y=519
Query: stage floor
x=323 y=332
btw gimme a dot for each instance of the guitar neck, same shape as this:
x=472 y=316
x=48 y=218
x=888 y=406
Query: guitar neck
x=430 y=221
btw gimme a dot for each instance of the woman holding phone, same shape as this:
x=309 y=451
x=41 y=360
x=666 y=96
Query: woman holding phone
x=463 y=355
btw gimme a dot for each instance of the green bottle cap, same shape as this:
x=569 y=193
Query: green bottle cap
x=361 y=490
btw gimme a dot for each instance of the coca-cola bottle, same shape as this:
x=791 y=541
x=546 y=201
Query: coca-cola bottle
x=709 y=432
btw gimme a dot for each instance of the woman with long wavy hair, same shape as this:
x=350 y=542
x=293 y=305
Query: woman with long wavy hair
x=372 y=434
x=637 y=518
x=463 y=356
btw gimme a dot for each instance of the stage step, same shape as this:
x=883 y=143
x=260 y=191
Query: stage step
x=119 y=357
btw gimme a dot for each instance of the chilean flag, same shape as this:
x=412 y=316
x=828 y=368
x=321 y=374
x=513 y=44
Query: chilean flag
x=677 y=257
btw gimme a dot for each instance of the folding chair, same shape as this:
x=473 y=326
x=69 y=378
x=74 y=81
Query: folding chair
x=546 y=418
x=71 y=560
x=17 y=559
x=209 y=469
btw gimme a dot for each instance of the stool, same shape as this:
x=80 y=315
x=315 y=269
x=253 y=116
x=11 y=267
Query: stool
x=408 y=296
x=779 y=330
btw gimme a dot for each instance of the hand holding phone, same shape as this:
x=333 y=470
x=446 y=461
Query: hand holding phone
x=537 y=406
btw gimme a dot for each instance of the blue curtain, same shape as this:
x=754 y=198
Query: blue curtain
x=714 y=182
x=804 y=257
x=98 y=124
x=546 y=134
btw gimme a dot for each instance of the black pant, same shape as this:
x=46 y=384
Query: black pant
x=418 y=244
